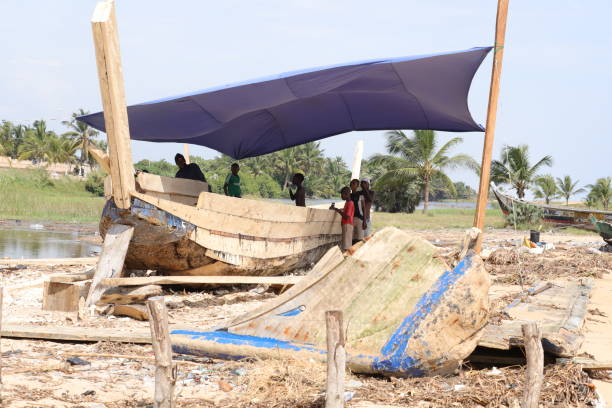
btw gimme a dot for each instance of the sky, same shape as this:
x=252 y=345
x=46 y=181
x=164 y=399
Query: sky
x=556 y=85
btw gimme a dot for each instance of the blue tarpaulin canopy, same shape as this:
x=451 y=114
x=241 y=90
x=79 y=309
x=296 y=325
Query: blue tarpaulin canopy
x=269 y=114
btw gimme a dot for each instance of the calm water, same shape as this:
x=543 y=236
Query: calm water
x=32 y=243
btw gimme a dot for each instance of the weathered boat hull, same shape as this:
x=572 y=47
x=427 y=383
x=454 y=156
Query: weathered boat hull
x=163 y=242
x=568 y=216
x=407 y=314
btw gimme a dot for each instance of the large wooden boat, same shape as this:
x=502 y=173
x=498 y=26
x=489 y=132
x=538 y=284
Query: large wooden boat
x=179 y=227
x=604 y=229
x=557 y=215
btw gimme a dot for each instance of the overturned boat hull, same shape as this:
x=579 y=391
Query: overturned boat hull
x=407 y=313
x=180 y=228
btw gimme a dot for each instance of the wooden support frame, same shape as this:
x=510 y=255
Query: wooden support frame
x=110 y=75
x=101 y=157
x=485 y=169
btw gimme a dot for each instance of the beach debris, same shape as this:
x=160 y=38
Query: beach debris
x=77 y=361
x=225 y=386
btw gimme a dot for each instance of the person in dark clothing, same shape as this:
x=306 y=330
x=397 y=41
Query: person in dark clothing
x=300 y=194
x=188 y=171
x=357 y=198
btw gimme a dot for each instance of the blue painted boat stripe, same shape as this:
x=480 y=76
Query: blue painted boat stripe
x=394 y=357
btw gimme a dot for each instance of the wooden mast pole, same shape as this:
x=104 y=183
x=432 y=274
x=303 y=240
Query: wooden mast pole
x=110 y=75
x=186 y=150
x=485 y=172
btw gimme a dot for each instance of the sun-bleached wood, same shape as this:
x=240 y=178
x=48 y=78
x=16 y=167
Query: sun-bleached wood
x=170 y=185
x=336 y=359
x=88 y=334
x=356 y=170
x=213 y=280
x=111 y=260
x=186 y=152
x=110 y=75
x=485 y=168
x=535 y=364
x=165 y=375
x=101 y=157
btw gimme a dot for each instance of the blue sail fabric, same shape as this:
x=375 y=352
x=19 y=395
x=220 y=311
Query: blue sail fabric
x=265 y=115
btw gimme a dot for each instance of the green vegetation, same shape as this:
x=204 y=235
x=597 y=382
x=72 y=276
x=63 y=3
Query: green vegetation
x=437 y=219
x=415 y=163
x=32 y=195
x=515 y=168
x=546 y=188
x=601 y=193
x=567 y=188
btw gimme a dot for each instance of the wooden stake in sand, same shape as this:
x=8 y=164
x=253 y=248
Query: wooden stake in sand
x=336 y=359
x=485 y=169
x=535 y=364
x=165 y=374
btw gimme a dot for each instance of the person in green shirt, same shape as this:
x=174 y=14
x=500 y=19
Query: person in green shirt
x=232 y=182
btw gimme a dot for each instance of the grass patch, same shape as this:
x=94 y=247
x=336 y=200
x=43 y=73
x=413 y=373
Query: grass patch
x=437 y=219
x=32 y=195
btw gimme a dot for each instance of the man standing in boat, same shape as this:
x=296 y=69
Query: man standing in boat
x=188 y=171
x=231 y=187
x=300 y=194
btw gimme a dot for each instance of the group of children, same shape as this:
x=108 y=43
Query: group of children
x=356 y=221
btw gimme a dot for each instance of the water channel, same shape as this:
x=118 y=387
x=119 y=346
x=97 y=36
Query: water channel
x=35 y=243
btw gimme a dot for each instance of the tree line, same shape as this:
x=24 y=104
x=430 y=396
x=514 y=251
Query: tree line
x=414 y=169
x=37 y=143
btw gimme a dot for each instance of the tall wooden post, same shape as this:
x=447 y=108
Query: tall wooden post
x=485 y=172
x=357 y=160
x=336 y=360
x=110 y=75
x=186 y=150
x=165 y=376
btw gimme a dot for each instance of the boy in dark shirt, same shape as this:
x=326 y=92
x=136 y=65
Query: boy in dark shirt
x=300 y=195
x=347 y=214
x=188 y=171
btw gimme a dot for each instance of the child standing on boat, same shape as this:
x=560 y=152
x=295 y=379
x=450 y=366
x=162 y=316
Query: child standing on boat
x=347 y=214
x=231 y=187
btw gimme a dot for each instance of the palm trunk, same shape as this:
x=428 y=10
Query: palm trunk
x=426 y=197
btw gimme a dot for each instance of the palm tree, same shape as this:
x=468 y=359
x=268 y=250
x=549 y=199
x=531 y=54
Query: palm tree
x=36 y=142
x=546 y=188
x=601 y=191
x=418 y=156
x=567 y=188
x=61 y=149
x=515 y=169
x=81 y=132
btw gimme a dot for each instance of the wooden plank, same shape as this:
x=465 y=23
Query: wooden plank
x=485 y=168
x=113 y=254
x=64 y=297
x=587 y=363
x=108 y=61
x=213 y=280
x=561 y=311
x=73 y=277
x=242 y=225
x=86 y=334
x=101 y=157
x=170 y=185
x=336 y=359
x=50 y=261
x=535 y=364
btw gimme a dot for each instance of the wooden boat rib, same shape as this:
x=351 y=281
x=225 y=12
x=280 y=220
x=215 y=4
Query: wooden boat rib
x=557 y=215
x=180 y=226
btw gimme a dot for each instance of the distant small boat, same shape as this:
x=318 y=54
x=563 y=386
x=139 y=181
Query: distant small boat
x=558 y=215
